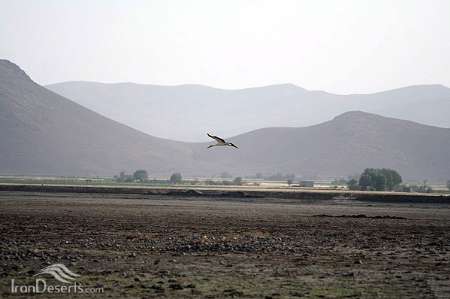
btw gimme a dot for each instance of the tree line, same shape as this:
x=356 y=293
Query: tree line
x=141 y=176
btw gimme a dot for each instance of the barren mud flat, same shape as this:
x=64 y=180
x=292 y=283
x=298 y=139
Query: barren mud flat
x=150 y=246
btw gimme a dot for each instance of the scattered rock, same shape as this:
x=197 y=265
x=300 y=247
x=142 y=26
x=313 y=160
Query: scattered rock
x=175 y=286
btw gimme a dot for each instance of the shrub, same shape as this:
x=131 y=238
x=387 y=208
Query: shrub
x=140 y=175
x=352 y=184
x=123 y=177
x=176 y=178
x=237 y=181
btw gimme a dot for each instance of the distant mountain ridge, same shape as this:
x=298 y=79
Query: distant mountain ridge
x=44 y=133
x=183 y=112
x=347 y=144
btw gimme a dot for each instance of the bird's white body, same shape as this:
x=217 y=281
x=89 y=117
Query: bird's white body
x=220 y=144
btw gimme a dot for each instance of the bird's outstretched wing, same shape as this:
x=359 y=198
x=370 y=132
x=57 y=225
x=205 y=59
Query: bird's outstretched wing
x=218 y=139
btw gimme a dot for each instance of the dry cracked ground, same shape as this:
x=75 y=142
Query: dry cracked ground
x=185 y=247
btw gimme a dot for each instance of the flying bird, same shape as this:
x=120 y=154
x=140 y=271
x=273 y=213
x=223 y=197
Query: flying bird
x=220 y=142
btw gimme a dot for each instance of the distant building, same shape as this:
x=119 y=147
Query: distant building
x=306 y=184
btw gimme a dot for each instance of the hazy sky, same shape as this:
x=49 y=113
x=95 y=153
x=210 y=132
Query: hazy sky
x=339 y=46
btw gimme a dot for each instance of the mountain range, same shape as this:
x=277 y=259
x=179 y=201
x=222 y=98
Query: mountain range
x=44 y=133
x=185 y=112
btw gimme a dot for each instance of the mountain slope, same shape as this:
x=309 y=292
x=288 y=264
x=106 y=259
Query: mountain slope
x=343 y=146
x=44 y=133
x=184 y=112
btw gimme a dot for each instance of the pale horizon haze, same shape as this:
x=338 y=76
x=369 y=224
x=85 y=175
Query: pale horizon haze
x=338 y=46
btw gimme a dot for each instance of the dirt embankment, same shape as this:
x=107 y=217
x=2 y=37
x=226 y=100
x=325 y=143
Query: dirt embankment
x=237 y=193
